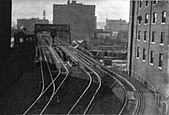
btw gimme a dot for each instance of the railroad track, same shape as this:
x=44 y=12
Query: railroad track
x=89 y=84
x=60 y=79
x=84 y=102
x=46 y=91
x=89 y=63
x=47 y=88
x=139 y=108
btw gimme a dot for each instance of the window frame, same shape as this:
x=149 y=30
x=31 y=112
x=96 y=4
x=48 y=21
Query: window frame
x=145 y=36
x=146 y=18
x=152 y=57
x=162 y=38
x=138 y=52
x=140 y=3
x=160 y=62
x=139 y=18
x=154 y=19
x=155 y=2
x=153 y=37
x=139 y=35
x=144 y=54
x=147 y=2
x=164 y=16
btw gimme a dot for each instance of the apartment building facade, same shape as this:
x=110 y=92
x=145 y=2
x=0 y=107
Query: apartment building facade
x=148 y=47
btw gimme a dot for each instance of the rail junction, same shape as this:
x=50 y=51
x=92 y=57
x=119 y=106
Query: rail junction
x=59 y=92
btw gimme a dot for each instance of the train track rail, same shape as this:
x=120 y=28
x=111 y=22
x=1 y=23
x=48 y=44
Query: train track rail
x=45 y=87
x=92 y=68
x=61 y=80
x=52 y=85
x=139 y=108
x=89 y=63
x=85 y=100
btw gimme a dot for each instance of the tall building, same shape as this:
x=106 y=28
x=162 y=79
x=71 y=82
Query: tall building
x=81 y=18
x=29 y=24
x=148 y=51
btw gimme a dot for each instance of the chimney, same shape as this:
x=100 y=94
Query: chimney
x=44 y=15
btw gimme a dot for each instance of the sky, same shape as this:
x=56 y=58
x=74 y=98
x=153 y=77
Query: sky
x=111 y=9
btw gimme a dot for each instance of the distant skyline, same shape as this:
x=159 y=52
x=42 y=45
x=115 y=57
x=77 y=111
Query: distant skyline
x=112 y=9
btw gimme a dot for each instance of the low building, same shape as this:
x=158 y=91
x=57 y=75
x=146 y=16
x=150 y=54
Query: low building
x=29 y=24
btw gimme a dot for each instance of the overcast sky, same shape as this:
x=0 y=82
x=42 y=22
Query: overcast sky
x=112 y=9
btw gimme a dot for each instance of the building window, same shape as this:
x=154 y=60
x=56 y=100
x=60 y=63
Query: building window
x=145 y=35
x=163 y=16
x=154 y=17
x=155 y=1
x=139 y=35
x=138 y=52
x=146 y=18
x=160 y=60
x=151 y=57
x=162 y=37
x=140 y=3
x=146 y=2
x=139 y=19
x=153 y=37
x=144 y=54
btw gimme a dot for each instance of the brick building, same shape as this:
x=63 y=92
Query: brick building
x=148 y=51
x=29 y=24
x=81 y=18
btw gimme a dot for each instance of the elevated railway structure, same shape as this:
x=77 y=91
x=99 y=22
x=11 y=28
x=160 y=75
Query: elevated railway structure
x=132 y=93
x=132 y=96
x=55 y=30
x=56 y=57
